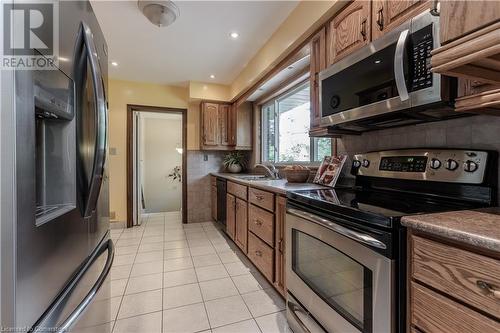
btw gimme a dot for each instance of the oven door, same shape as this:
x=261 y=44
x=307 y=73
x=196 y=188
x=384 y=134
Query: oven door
x=337 y=277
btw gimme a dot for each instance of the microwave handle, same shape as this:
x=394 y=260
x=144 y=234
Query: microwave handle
x=399 y=72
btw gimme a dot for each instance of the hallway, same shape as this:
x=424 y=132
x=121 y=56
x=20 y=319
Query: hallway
x=170 y=277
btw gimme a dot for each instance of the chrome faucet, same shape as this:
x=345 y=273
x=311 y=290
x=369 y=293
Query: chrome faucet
x=271 y=170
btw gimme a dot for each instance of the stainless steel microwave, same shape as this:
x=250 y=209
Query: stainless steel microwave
x=388 y=83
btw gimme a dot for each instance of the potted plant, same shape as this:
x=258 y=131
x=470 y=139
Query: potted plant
x=234 y=161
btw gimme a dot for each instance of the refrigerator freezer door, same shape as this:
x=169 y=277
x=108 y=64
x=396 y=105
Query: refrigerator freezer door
x=85 y=303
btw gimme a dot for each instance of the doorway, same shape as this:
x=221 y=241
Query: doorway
x=156 y=184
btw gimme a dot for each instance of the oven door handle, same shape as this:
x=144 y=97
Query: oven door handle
x=399 y=71
x=352 y=234
x=293 y=310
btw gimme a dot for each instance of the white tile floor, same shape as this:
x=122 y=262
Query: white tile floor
x=170 y=277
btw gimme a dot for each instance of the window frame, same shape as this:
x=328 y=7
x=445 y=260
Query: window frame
x=313 y=145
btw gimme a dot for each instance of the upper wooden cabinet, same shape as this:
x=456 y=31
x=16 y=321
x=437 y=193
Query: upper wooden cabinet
x=349 y=30
x=388 y=14
x=210 y=124
x=470 y=36
x=226 y=126
x=242 y=126
x=460 y=18
x=318 y=63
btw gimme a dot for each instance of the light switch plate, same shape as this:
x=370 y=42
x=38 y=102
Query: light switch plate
x=112 y=151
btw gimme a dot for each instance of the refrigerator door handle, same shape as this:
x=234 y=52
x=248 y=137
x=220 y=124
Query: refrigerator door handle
x=101 y=122
x=80 y=309
x=50 y=319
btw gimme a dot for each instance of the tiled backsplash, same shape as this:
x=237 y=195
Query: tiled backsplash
x=477 y=132
x=198 y=183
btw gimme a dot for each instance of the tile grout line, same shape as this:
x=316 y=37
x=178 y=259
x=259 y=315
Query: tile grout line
x=126 y=285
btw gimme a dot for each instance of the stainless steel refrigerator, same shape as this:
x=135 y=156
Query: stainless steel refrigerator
x=56 y=253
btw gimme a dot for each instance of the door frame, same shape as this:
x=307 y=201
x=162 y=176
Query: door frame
x=130 y=153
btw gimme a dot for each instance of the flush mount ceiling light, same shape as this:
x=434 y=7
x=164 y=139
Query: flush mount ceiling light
x=160 y=13
x=212 y=76
x=114 y=63
x=234 y=35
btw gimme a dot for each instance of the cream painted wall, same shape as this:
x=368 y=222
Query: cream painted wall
x=301 y=23
x=120 y=94
x=209 y=91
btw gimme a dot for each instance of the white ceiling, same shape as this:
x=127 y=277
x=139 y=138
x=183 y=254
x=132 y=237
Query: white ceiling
x=195 y=46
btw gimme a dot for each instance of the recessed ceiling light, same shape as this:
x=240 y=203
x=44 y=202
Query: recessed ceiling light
x=378 y=61
x=234 y=35
x=114 y=63
x=212 y=76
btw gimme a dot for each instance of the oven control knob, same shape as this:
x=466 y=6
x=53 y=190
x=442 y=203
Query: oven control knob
x=451 y=165
x=470 y=166
x=366 y=163
x=356 y=164
x=435 y=164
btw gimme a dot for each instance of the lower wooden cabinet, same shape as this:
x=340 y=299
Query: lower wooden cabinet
x=231 y=216
x=279 y=251
x=241 y=228
x=262 y=255
x=450 y=287
x=257 y=227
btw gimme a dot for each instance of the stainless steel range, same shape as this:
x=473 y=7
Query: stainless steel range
x=346 y=250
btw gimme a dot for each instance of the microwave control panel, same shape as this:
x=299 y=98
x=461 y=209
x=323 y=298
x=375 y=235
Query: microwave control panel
x=421 y=47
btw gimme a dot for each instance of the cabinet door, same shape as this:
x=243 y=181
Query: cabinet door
x=231 y=216
x=349 y=30
x=241 y=236
x=459 y=18
x=225 y=124
x=318 y=63
x=214 y=203
x=233 y=124
x=279 y=275
x=388 y=14
x=210 y=124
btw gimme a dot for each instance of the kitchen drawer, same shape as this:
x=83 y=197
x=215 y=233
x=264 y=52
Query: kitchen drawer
x=213 y=180
x=433 y=313
x=237 y=190
x=261 y=223
x=262 y=255
x=458 y=273
x=261 y=198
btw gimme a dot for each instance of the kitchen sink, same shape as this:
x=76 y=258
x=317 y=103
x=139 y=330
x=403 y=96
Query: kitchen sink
x=252 y=177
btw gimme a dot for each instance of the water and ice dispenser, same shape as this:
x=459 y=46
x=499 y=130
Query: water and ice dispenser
x=55 y=152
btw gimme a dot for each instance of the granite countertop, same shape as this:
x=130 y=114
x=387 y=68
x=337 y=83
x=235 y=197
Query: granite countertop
x=480 y=228
x=279 y=186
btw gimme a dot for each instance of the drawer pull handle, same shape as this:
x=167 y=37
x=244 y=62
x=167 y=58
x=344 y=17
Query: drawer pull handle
x=258 y=222
x=258 y=253
x=259 y=197
x=488 y=288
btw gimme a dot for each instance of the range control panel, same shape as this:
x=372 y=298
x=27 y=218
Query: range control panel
x=447 y=165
